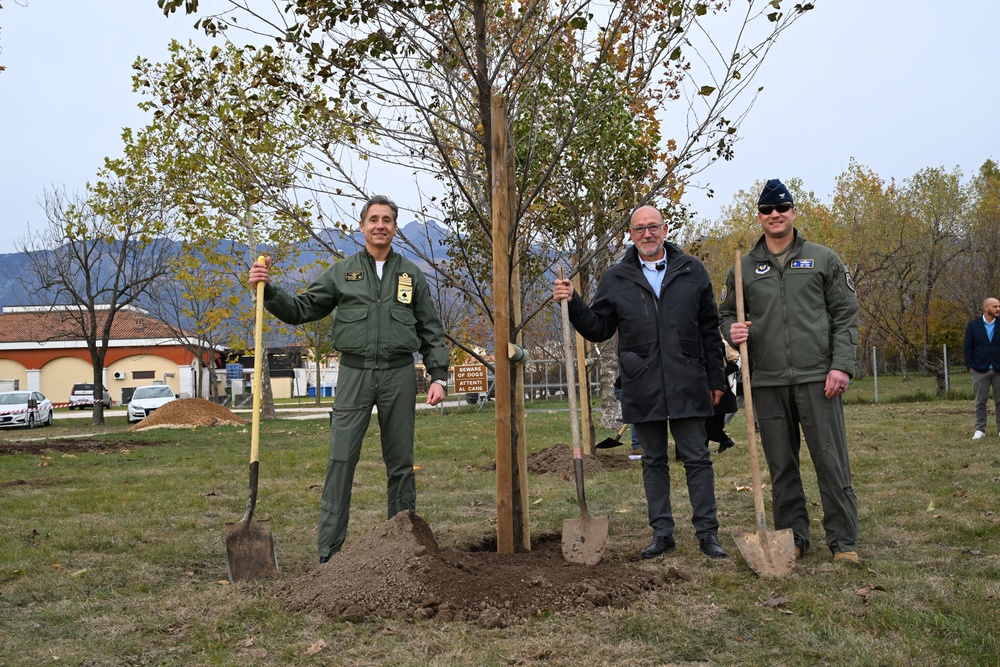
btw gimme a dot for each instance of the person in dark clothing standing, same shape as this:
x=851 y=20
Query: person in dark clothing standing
x=715 y=426
x=660 y=301
x=982 y=358
x=384 y=315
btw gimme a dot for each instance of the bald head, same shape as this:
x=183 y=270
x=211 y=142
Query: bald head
x=991 y=309
x=646 y=213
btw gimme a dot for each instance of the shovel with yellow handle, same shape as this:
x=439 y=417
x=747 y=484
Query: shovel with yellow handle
x=249 y=544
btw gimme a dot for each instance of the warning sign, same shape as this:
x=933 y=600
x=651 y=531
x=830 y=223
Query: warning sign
x=470 y=379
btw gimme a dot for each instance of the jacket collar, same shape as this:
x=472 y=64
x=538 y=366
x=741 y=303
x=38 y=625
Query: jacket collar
x=761 y=253
x=675 y=257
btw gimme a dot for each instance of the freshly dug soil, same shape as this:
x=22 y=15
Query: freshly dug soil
x=399 y=570
x=67 y=445
x=189 y=412
x=558 y=460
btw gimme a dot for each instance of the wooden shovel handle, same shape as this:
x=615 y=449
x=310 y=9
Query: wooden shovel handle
x=258 y=353
x=758 y=493
x=574 y=426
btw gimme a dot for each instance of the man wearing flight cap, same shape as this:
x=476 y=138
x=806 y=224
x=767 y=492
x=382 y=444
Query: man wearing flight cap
x=802 y=331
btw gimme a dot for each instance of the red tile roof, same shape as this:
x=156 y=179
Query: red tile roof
x=48 y=326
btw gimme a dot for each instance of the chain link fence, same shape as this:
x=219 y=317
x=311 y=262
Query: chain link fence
x=882 y=378
x=890 y=378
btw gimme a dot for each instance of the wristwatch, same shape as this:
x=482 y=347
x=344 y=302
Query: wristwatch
x=443 y=383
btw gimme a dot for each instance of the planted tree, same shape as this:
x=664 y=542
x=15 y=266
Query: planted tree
x=422 y=77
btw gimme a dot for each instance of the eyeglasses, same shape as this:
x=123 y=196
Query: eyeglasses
x=641 y=231
x=766 y=209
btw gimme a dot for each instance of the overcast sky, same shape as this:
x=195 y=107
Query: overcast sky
x=898 y=85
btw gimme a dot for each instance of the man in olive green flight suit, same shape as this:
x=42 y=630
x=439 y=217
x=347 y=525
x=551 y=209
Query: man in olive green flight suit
x=802 y=328
x=384 y=316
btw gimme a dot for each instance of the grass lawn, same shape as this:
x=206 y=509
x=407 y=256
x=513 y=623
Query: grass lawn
x=117 y=557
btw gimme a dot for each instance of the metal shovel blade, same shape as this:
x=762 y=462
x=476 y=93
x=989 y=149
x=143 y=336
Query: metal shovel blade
x=770 y=555
x=608 y=443
x=583 y=539
x=250 y=550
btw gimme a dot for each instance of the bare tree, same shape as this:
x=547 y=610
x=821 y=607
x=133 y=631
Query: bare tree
x=97 y=255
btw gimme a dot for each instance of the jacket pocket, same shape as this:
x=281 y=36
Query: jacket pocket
x=402 y=334
x=632 y=365
x=691 y=349
x=350 y=330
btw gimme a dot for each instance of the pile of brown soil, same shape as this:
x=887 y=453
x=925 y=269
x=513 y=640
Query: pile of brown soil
x=398 y=570
x=558 y=460
x=189 y=412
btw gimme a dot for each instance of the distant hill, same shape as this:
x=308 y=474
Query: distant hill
x=428 y=237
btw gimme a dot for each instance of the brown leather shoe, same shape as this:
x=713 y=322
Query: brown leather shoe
x=847 y=557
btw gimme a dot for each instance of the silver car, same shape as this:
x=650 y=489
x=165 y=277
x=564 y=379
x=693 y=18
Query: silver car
x=25 y=409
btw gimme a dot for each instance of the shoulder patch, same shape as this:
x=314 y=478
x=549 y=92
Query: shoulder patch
x=849 y=279
x=354 y=275
x=801 y=264
x=725 y=292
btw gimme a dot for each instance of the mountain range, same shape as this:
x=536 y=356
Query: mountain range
x=428 y=238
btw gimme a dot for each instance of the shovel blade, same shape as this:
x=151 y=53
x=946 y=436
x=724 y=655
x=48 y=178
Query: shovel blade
x=583 y=539
x=250 y=551
x=774 y=557
x=608 y=443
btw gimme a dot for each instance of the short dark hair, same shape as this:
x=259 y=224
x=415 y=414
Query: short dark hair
x=380 y=200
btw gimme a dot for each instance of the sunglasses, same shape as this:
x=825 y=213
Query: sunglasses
x=767 y=209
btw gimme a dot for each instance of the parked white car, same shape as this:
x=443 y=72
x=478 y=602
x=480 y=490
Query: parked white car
x=26 y=409
x=147 y=399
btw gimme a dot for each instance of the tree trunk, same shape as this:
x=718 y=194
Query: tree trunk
x=266 y=395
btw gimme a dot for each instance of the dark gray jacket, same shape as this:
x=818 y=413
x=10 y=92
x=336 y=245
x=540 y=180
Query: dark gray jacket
x=670 y=349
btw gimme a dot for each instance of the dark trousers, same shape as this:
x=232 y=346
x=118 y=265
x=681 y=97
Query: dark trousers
x=394 y=393
x=781 y=412
x=689 y=441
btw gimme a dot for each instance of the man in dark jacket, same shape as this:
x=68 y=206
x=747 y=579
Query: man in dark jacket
x=384 y=315
x=802 y=332
x=660 y=301
x=982 y=358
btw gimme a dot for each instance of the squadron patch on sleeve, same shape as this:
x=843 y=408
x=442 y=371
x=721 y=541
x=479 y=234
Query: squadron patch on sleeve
x=725 y=291
x=849 y=279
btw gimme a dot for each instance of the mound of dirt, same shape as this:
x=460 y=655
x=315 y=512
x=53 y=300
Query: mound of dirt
x=189 y=412
x=558 y=460
x=399 y=570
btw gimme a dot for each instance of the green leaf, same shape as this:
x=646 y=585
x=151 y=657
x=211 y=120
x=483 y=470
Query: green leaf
x=706 y=90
